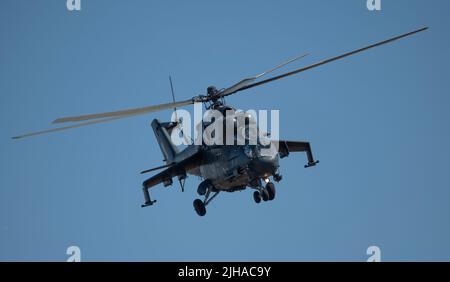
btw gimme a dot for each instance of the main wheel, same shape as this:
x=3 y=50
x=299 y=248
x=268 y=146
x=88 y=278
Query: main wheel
x=203 y=187
x=270 y=187
x=256 y=197
x=264 y=195
x=199 y=207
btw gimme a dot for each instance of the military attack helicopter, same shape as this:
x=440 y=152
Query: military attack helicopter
x=222 y=167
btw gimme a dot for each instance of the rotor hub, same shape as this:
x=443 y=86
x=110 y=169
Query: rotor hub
x=212 y=90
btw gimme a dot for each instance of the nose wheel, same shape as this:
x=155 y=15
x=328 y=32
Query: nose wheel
x=266 y=194
x=257 y=197
x=270 y=188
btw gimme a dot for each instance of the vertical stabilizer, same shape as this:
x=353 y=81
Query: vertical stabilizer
x=162 y=133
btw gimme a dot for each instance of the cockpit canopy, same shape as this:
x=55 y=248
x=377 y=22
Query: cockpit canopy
x=227 y=126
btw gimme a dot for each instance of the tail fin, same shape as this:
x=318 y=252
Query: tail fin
x=162 y=132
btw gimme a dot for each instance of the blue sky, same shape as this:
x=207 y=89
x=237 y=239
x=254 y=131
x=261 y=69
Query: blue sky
x=378 y=122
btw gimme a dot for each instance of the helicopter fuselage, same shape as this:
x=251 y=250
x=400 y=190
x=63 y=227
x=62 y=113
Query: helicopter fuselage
x=231 y=168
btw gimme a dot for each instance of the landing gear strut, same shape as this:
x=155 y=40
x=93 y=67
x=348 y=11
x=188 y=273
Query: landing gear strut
x=148 y=201
x=205 y=188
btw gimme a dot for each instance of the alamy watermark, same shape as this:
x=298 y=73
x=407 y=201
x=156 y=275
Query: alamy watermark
x=374 y=253
x=374 y=5
x=73 y=5
x=74 y=253
x=226 y=127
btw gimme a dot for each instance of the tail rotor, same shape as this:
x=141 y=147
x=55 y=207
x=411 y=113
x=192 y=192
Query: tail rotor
x=179 y=121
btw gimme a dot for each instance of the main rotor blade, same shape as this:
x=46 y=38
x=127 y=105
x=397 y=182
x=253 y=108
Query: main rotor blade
x=71 y=126
x=327 y=61
x=236 y=87
x=134 y=111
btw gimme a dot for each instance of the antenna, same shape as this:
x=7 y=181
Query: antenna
x=173 y=97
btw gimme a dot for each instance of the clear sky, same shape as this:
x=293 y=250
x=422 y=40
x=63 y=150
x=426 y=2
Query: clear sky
x=378 y=122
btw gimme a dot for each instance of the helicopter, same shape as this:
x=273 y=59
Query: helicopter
x=222 y=168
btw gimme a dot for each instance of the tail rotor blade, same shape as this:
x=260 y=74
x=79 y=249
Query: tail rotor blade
x=173 y=97
x=179 y=125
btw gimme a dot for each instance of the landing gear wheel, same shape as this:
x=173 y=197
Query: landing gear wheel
x=256 y=197
x=199 y=207
x=203 y=187
x=270 y=187
x=264 y=195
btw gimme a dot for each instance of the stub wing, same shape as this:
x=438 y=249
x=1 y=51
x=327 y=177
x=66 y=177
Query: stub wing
x=177 y=169
x=285 y=147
